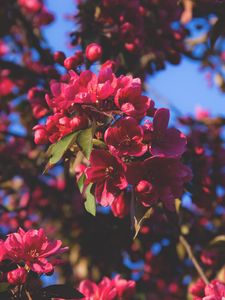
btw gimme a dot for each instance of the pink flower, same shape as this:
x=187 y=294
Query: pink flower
x=125 y=288
x=125 y=138
x=168 y=142
x=2 y=251
x=93 y=52
x=108 y=174
x=129 y=99
x=17 y=276
x=168 y=176
x=215 y=291
x=108 y=289
x=197 y=289
x=33 y=248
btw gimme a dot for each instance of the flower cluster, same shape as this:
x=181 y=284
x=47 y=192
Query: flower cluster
x=213 y=291
x=107 y=289
x=140 y=151
x=138 y=34
x=28 y=251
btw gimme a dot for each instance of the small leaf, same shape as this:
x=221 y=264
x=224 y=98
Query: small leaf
x=99 y=143
x=139 y=221
x=181 y=252
x=80 y=183
x=57 y=150
x=217 y=239
x=90 y=204
x=85 y=140
x=177 y=205
x=61 y=291
x=217 y=30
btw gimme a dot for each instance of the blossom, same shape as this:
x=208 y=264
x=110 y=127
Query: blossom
x=108 y=289
x=168 y=176
x=2 y=251
x=125 y=138
x=197 y=289
x=33 y=248
x=168 y=142
x=129 y=99
x=108 y=174
x=214 y=291
x=17 y=276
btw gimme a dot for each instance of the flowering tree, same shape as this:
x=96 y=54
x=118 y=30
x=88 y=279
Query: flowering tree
x=138 y=203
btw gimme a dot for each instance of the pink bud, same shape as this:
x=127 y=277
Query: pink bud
x=93 y=52
x=79 y=122
x=59 y=57
x=40 y=135
x=143 y=186
x=70 y=62
x=17 y=276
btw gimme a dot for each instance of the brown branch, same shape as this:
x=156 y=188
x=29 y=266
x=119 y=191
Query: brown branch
x=190 y=253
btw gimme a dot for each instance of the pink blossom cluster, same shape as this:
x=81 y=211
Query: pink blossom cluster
x=213 y=291
x=140 y=150
x=108 y=289
x=28 y=251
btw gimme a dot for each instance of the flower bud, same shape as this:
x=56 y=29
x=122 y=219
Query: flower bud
x=93 y=52
x=17 y=276
x=59 y=57
x=70 y=62
x=40 y=135
x=79 y=122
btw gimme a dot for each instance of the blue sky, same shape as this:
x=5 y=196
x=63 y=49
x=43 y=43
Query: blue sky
x=184 y=86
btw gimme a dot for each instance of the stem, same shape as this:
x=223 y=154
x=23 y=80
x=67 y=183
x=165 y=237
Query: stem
x=28 y=295
x=190 y=253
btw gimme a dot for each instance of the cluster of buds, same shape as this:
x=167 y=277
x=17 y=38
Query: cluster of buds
x=139 y=34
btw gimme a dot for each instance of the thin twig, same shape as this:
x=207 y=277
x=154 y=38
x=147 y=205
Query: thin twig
x=187 y=247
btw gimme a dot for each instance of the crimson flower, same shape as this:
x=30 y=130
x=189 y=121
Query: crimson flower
x=108 y=173
x=168 y=142
x=168 y=176
x=33 y=248
x=125 y=138
x=129 y=99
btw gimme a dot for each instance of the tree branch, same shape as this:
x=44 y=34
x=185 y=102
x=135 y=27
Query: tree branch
x=190 y=253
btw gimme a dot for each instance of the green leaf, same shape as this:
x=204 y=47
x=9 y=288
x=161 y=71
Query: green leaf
x=90 y=204
x=85 y=140
x=99 y=144
x=80 y=183
x=57 y=150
